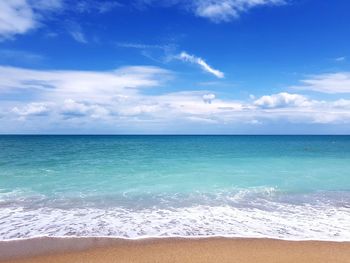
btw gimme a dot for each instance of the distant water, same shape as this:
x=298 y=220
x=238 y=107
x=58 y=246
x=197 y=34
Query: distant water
x=288 y=187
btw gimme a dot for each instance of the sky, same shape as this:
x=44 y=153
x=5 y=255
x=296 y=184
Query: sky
x=174 y=67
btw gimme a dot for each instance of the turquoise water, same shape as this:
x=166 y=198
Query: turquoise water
x=292 y=187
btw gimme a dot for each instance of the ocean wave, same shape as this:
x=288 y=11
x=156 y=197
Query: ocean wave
x=301 y=222
x=133 y=197
x=269 y=198
x=253 y=212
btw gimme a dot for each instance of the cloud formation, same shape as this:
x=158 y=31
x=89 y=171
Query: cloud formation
x=184 y=56
x=226 y=10
x=81 y=85
x=281 y=100
x=32 y=109
x=326 y=83
x=20 y=16
x=73 y=109
x=208 y=98
x=76 y=32
x=157 y=52
x=116 y=99
x=216 y=10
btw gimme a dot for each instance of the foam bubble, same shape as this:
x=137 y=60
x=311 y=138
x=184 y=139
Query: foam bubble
x=302 y=222
x=257 y=212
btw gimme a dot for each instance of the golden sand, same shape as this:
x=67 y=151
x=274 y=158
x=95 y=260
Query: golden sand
x=99 y=250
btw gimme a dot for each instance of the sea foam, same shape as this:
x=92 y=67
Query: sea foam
x=293 y=222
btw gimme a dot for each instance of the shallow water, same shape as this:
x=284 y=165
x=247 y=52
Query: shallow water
x=289 y=187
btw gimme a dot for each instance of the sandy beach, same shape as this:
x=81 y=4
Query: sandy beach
x=98 y=250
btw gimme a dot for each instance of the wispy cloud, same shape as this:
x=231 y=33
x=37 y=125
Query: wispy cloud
x=160 y=53
x=326 y=83
x=216 y=10
x=140 y=46
x=75 y=31
x=184 y=56
x=78 y=36
x=226 y=10
x=97 y=86
x=20 y=16
x=340 y=59
x=101 y=6
x=21 y=56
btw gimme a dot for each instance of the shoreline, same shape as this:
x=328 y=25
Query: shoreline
x=203 y=249
x=141 y=238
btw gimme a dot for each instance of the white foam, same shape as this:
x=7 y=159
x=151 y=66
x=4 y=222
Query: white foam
x=285 y=221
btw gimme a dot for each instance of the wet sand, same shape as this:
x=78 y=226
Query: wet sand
x=100 y=250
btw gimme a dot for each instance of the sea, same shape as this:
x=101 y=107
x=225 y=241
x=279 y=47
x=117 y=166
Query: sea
x=138 y=186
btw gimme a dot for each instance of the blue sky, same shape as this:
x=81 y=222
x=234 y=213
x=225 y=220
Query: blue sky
x=176 y=66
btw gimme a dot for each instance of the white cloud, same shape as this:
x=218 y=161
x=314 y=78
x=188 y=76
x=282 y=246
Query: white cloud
x=16 y=17
x=116 y=98
x=226 y=10
x=216 y=10
x=192 y=103
x=80 y=94
x=327 y=83
x=341 y=103
x=81 y=85
x=72 y=109
x=297 y=108
x=184 y=56
x=20 y=16
x=32 y=109
x=208 y=98
x=281 y=100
